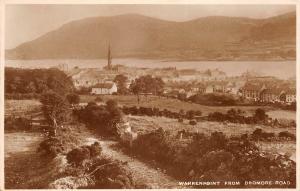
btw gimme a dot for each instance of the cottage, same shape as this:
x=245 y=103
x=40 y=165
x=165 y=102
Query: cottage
x=290 y=95
x=271 y=95
x=104 y=88
x=252 y=91
x=215 y=86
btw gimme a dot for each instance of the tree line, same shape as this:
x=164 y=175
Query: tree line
x=36 y=81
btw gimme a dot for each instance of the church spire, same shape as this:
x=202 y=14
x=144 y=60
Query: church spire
x=109 y=67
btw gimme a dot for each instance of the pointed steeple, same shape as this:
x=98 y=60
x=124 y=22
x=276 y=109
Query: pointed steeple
x=109 y=67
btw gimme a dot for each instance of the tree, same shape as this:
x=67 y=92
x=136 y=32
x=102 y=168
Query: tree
x=111 y=105
x=136 y=88
x=121 y=83
x=54 y=107
x=147 y=84
x=73 y=98
x=38 y=81
x=260 y=114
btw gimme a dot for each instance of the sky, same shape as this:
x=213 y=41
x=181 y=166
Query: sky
x=27 y=22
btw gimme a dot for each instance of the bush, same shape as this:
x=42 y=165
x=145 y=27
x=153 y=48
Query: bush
x=77 y=156
x=157 y=144
x=193 y=122
x=18 y=123
x=95 y=149
x=190 y=114
x=286 y=134
x=213 y=99
x=111 y=174
x=214 y=157
x=180 y=120
x=260 y=114
x=73 y=98
x=104 y=119
x=51 y=147
x=98 y=99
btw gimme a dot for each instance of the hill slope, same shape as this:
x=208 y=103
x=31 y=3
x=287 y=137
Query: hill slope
x=221 y=38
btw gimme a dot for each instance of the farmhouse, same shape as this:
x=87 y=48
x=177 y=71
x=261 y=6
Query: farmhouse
x=252 y=91
x=104 y=88
x=215 y=86
x=271 y=95
x=290 y=95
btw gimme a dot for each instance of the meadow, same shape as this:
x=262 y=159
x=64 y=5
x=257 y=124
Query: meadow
x=145 y=124
x=176 y=105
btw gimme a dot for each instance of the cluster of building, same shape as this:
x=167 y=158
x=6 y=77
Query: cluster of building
x=257 y=89
x=249 y=85
x=270 y=91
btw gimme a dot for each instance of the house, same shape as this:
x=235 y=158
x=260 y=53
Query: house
x=252 y=91
x=209 y=89
x=104 y=88
x=290 y=95
x=233 y=88
x=271 y=95
x=215 y=86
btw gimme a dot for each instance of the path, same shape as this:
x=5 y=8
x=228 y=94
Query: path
x=141 y=172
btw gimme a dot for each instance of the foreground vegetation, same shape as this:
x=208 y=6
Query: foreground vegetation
x=199 y=157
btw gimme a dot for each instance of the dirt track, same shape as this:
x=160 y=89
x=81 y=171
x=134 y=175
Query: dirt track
x=142 y=172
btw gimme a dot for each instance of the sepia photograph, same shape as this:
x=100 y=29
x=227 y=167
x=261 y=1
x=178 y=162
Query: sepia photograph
x=150 y=96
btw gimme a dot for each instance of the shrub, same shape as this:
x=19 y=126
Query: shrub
x=286 y=134
x=77 y=156
x=260 y=114
x=18 y=123
x=95 y=149
x=198 y=113
x=190 y=114
x=193 y=122
x=157 y=144
x=111 y=174
x=214 y=157
x=180 y=120
x=213 y=99
x=73 y=98
x=51 y=147
x=104 y=119
x=259 y=134
x=98 y=99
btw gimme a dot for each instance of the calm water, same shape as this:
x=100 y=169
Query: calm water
x=281 y=69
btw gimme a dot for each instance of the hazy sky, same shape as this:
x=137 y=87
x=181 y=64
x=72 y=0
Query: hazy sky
x=27 y=22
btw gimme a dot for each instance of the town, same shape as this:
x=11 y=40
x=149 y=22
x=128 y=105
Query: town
x=185 y=82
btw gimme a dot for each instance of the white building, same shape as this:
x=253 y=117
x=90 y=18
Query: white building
x=104 y=88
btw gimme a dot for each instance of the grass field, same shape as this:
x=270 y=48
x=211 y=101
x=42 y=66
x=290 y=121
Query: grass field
x=144 y=124
x=177 y=105
x=21 y=107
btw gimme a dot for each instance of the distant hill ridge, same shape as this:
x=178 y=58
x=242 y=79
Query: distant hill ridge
x=138 y=36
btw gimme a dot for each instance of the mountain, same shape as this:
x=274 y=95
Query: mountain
x=132 y=35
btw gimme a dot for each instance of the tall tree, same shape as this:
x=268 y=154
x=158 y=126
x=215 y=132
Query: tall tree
x=55 y=108
x=73 y=98
x=121 y=80
x=147 y=84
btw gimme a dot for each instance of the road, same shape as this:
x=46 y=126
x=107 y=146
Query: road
x=141 y=172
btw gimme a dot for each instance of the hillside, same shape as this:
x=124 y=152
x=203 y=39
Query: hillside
x=132 y=35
